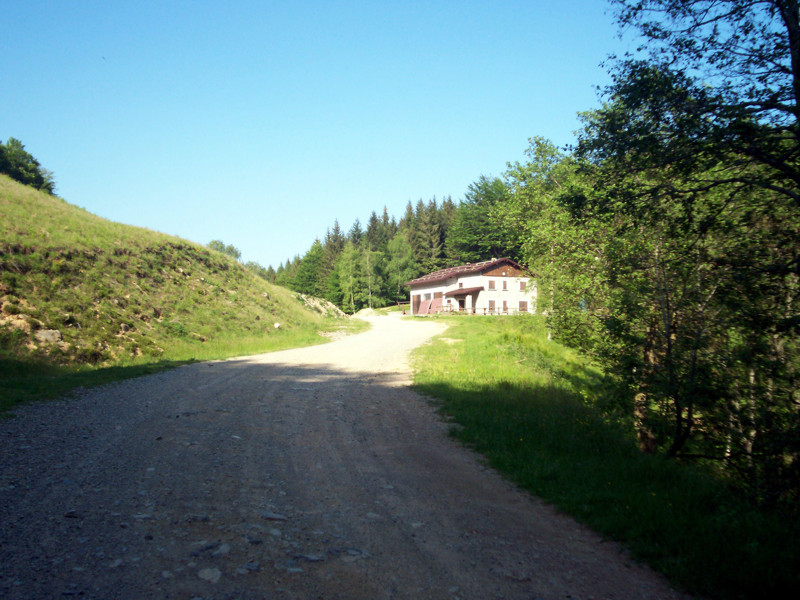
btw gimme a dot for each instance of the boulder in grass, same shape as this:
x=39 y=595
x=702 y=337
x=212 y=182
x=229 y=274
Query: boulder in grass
x=48 y=336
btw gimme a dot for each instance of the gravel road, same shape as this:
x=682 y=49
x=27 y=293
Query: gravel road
x=308 y=473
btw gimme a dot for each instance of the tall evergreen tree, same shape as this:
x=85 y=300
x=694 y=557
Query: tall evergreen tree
x=309 y=278
x=473 y=233
x=285 y=277
x=408 y=219
x=375 y=236
x=356 y=233
x=389 y=225
x=427 y=236
x=446 y=213
x=334 y=239
x=332 y=247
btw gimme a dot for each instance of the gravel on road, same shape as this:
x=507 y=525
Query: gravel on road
x=307 y=473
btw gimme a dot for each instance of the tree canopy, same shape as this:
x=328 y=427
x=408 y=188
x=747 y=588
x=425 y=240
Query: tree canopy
x=21 y=166
x=712 y=93
x=228 y=249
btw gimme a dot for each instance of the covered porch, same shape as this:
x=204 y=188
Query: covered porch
x=466 y=299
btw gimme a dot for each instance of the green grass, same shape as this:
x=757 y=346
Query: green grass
x=533 y=408
x=125 y=300
x=28 y=381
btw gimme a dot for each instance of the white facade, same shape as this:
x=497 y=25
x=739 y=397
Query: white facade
x=494 y=287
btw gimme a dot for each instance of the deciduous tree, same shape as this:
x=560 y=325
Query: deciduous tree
x=228 y=249
x=309 y=278
x=20 y=165
x=712 y=92
x=348 y=272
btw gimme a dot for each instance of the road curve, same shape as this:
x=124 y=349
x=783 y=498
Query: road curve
x=307 y=473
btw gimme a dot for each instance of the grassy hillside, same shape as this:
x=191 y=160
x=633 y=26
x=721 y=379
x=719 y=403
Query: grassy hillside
x=79 y=291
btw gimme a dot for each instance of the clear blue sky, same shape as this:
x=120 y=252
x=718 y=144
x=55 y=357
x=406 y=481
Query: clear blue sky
x=259 y=123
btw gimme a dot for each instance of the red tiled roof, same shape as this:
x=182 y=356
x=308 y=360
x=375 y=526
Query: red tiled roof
x=467 y=269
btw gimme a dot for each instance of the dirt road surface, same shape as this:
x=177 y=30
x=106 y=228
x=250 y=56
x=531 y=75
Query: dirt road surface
x=309 y=473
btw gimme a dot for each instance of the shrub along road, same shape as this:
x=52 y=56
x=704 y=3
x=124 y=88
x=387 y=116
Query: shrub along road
x=308 y=473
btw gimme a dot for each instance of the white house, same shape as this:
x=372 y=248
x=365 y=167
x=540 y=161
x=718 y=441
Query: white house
x=498 y=286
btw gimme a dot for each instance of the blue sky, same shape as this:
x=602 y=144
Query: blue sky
x=259 y=123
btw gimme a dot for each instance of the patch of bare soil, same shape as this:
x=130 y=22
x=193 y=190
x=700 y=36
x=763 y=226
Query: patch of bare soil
x=309 y=473
x=322 y=306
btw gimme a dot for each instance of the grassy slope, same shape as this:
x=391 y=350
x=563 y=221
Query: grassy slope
x=122 y=296
x=527 y=405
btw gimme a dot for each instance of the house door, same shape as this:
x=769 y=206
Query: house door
x=461 y=305
x=415 y=300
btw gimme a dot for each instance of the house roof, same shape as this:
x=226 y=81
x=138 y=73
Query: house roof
x=467 y=269
x=464 y=291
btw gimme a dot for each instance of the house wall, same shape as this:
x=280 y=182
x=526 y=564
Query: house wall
x=422 y=293
x=511 y=295
x=504 y=271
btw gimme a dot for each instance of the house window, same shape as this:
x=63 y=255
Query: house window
x=427 y=296
x=491 y=284
x=505 y=306
x=523 y=306
x=460 y=284
x=522 y=286
x=491 y=306
x=505 y=285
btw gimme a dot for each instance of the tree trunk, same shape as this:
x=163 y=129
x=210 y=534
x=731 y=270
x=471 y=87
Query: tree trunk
x=644 y=435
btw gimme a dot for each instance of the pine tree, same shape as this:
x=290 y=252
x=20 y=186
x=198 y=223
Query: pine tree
x=426 y=238
x=285 y=276
x=374 y=236
x=332 y=247
x=472 y=233
x=308 y=279
x=355 y=234
x=408 y=220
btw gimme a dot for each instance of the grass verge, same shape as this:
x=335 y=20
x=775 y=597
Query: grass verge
x=34 y=378
x=529 y=406
x=29 y=381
